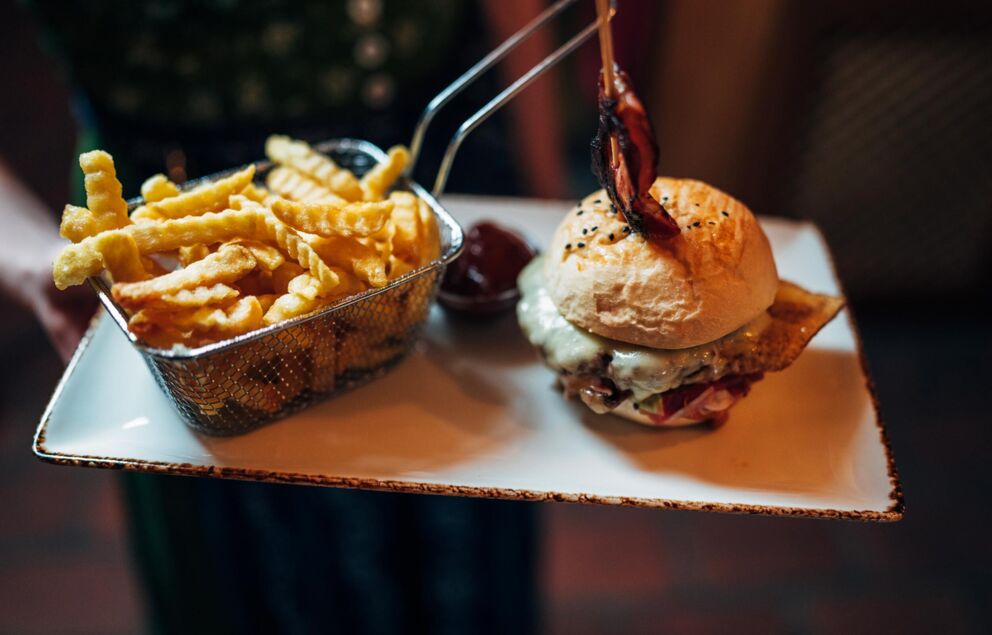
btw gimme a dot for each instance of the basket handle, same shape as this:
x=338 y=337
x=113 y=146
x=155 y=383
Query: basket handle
x=487 y=62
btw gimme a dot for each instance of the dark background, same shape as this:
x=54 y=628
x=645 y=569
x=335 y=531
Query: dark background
x=870 y=118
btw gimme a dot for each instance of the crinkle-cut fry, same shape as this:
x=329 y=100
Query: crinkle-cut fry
x=398 y=267
x=157 y=188
x=87 y=258
x=297 y=248
x=407 y=221
x=283 y=274
x=351 y=255
x=330 y=219
x=430 y=238
x=267 y=300
x=77 y=223
x=290 y=184
x=217 y=322
x=212 y=227
x=162 y=336
x=302 y=158
x=268 y=257
x=193 y=298
x=105 y=206
x=142 y=214
x=209 y=197
x=381 y=177
x=227 y=264
x=291 y=305
x=114 y=250
x=255 y=193
x=305 y=286
x=303 y=296
x=188 y=254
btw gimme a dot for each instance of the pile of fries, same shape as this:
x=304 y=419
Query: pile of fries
x=231 y=256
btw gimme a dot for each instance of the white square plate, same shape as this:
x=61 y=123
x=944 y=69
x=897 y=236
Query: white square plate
x=472 y=411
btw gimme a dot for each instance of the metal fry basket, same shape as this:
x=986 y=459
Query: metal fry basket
x=236 y=385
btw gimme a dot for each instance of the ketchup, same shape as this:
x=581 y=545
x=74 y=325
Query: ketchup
x=484 y=278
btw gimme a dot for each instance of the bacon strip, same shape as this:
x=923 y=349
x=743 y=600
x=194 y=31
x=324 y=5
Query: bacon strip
x=629 y=178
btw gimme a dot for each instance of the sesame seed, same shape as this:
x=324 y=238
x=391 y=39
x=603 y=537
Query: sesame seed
x=711 y=222
x=598 y=201
x=636 y=406
x=594 y=228
x=581 y=245
x=626 y=229
x=585 y=231
x=611 y=236
x=696 y=224
x=724 y=212
x=568 y=245
x=580 y=212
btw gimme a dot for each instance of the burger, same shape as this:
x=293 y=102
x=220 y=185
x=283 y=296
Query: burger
x=671 y=331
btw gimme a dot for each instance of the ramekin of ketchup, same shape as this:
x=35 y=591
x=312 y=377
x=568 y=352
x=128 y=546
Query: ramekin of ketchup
x=483 y=280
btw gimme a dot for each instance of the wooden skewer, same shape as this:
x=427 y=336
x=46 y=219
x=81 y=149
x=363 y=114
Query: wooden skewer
x=605 y=13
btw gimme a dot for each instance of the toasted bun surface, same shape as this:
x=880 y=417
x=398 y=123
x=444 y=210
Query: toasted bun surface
x=714 y=277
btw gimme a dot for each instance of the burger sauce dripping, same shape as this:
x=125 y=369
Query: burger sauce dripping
x=629 y=178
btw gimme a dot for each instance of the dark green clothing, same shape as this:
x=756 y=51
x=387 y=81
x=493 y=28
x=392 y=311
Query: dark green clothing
x=198 y=86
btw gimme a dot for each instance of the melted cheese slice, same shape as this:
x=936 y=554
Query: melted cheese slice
x=769 y=343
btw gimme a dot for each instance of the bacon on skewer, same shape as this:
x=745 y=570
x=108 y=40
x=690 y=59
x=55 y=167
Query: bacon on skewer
x=628 y=176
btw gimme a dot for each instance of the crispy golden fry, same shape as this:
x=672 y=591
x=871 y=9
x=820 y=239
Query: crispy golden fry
x=430 y=237
x=162 y=336
x=212 y=227
x=142 y=214
x=268 y=257
x=283 y=274
x=255 y=193
x=188 y=254
x=380 y=178
x=297 y=248
x=305 y=286
x=112 y=250
x=291 y=305
x=157 y=188
x=214 y=322
x=398 y=267
x=229 y=263
x=77 y=223
x=290 y=184
x=209 y=197
x=105 y=207
x=406 y=218
x=351 y=255
x=215 y=294
x=302 y=158
x=331 y=219
x=267 y=300
x=86 y=258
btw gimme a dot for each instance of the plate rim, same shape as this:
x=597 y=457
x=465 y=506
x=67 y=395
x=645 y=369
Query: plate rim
x=894 y=512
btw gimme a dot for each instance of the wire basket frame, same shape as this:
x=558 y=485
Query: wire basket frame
x=239 y=384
